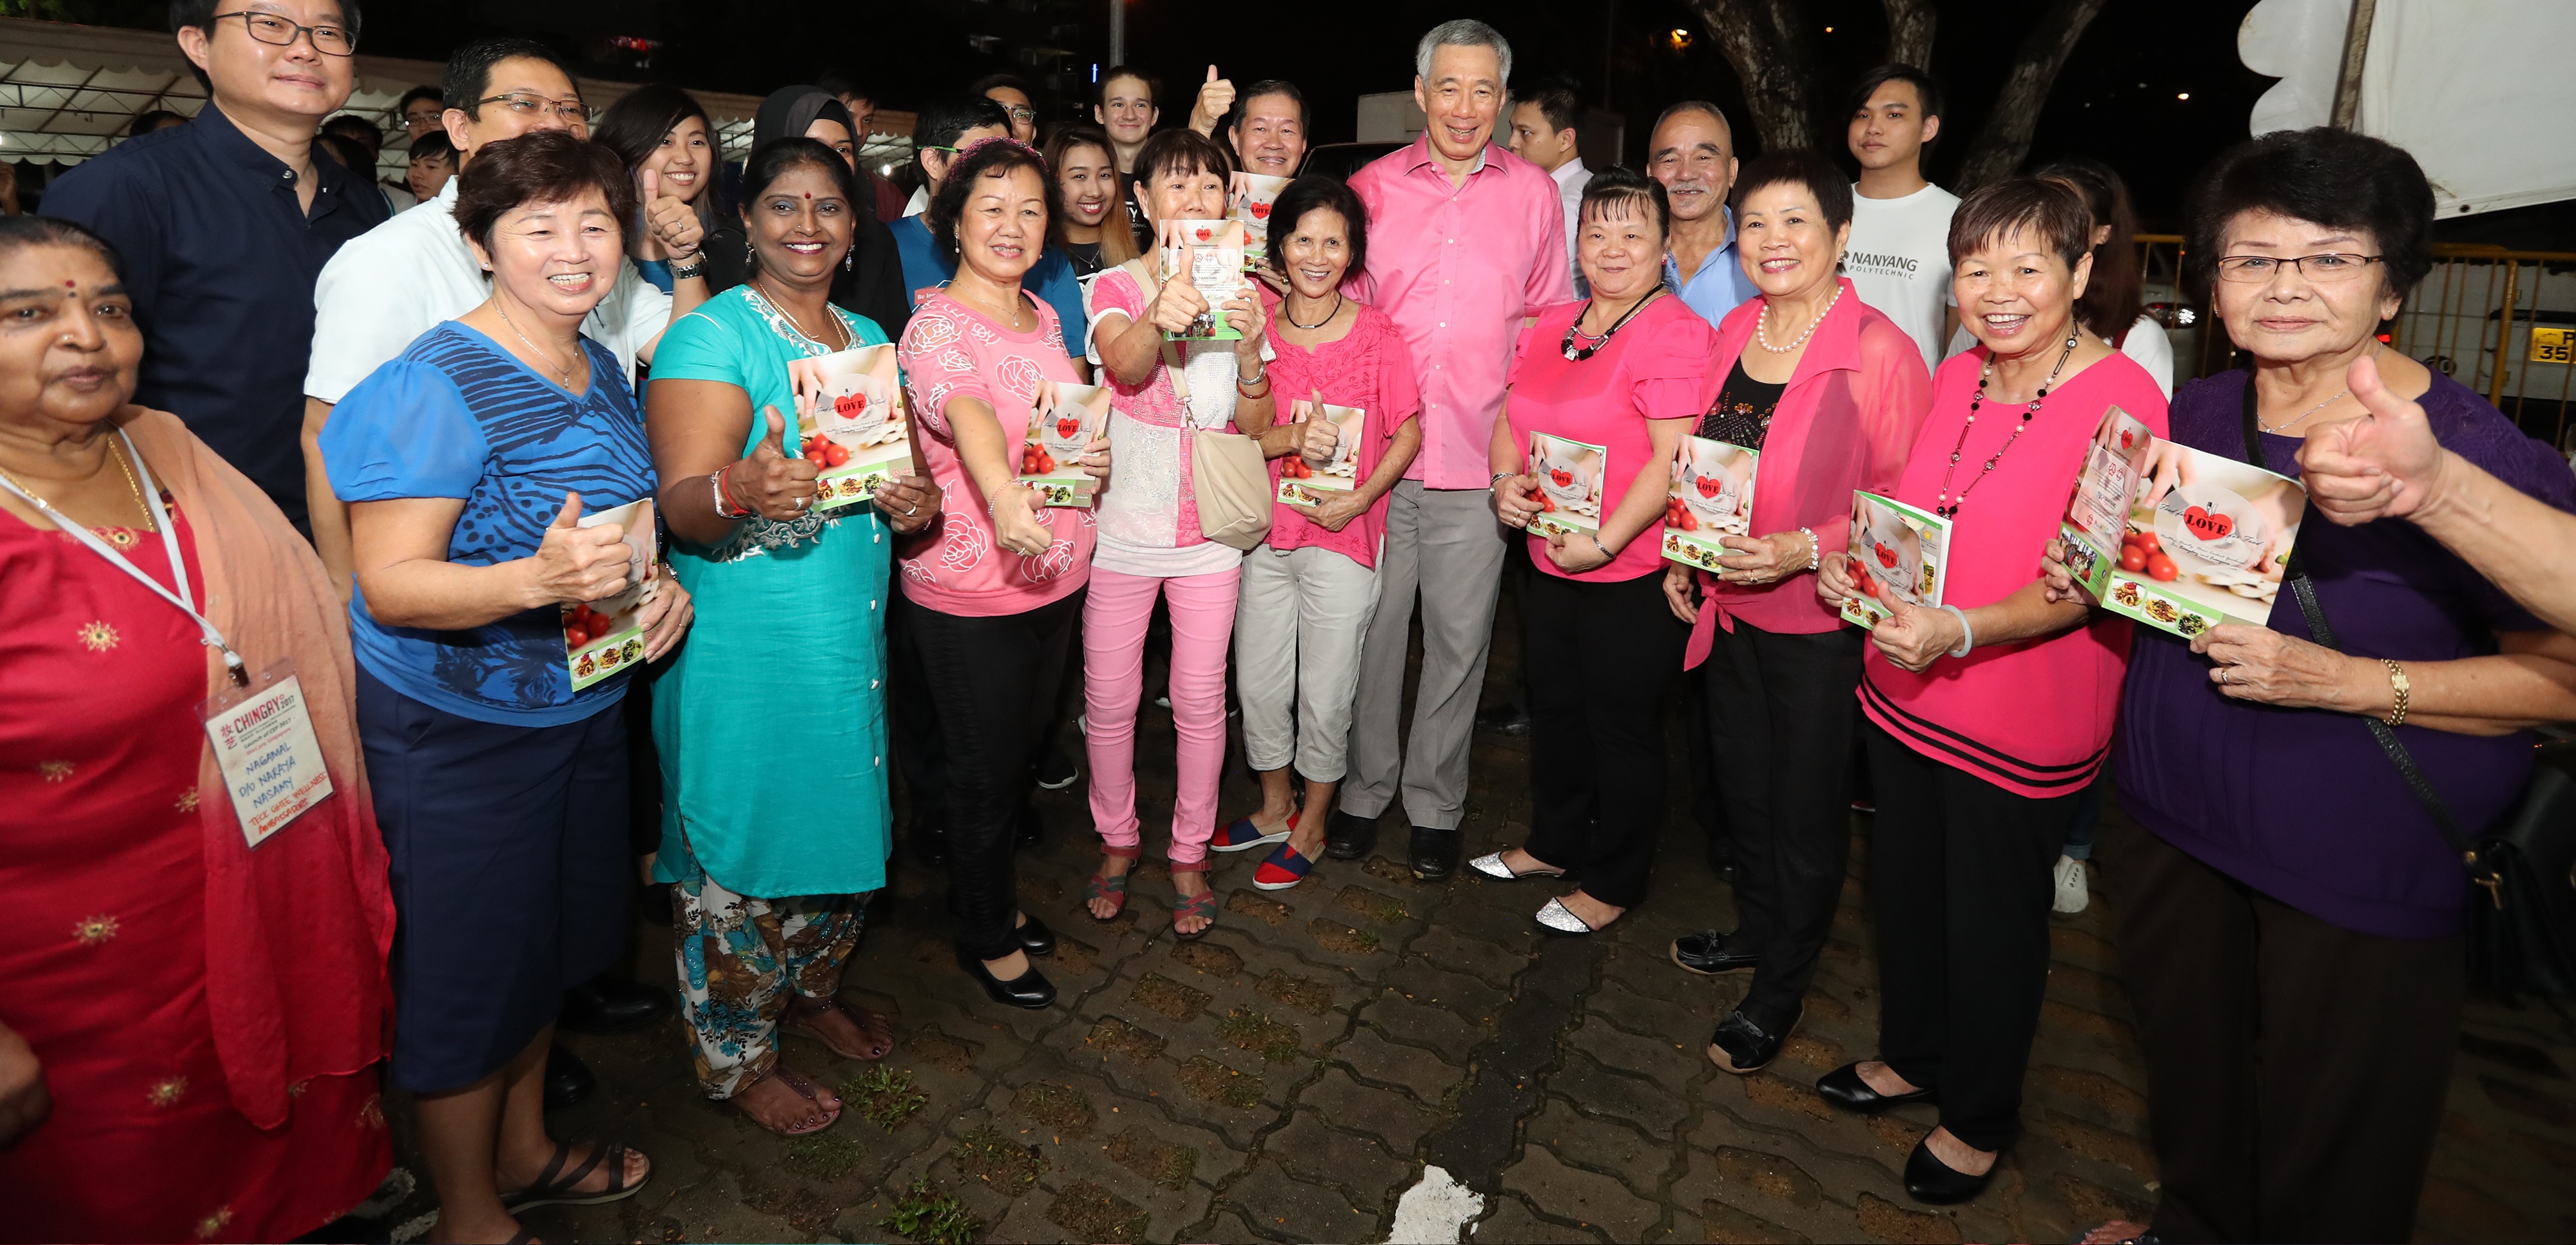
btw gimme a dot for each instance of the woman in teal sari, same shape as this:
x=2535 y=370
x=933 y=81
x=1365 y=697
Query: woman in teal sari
x=772 y=726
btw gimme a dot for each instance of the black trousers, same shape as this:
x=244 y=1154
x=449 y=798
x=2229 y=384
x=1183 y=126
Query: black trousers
x=1781 y=718
x=913 y=712
x=1596 y=659
x=994 y=679
x=1959 y=888
x=2296 y=1068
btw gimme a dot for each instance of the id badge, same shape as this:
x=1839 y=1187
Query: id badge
x=265 y=746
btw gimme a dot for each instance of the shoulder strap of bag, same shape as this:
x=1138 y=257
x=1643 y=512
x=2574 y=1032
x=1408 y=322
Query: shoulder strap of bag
x=2305 y=589
x=1173 y=363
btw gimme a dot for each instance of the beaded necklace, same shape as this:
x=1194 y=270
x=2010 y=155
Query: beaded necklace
x=1948 y=508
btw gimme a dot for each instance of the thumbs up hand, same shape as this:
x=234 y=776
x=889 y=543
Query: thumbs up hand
x=1317 y=437
x=576 y=563
x=771 y=484
x=673 y=224
x=1216 y=98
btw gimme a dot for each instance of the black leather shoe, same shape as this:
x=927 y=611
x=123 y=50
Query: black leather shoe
x=568 y=1079
x=1435 y=853
x=612 y=1005
x=1743 y=1047
x=1843 y=1088
x=1347 y=837
x=1507 y=718
x=1705 y=952
x=1035 y=937
x=1930 y=1181
x=1030 y=989
x=1031 y=828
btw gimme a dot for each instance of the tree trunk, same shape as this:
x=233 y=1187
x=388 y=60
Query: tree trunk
x=1770 y=47
x=2005 y=137
x=1909 y=31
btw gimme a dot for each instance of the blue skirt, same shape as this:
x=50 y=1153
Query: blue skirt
x=511 y=875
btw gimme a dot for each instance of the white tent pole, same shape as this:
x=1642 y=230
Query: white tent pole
x=2356 y=46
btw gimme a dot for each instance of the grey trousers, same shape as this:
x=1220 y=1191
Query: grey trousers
x=1446 y=545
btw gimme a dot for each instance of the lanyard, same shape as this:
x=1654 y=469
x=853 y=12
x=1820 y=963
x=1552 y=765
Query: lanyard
x=184 y=598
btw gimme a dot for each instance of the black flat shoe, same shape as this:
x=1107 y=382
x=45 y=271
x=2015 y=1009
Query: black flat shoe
x=1843 y=1088
x=1930 y=1181
x=1508 y=718
x=612 y=1005
x=1030 y=989
x=1743 y=1047
x=1435 y=853
x=1705 y=952
x=1031 y=828
x=568 y=1079
x=1347 y=837
x=1035 y=937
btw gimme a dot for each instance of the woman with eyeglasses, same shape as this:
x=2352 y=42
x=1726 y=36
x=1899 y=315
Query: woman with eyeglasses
x=2301 y=1005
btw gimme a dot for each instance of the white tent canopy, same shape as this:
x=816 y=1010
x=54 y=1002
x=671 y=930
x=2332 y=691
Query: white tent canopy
x=2470 y=87
x=68 y=92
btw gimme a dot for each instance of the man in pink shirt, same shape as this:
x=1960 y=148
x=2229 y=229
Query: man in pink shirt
x=1466 y=240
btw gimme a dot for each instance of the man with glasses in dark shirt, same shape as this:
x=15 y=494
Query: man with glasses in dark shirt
x=224 y=224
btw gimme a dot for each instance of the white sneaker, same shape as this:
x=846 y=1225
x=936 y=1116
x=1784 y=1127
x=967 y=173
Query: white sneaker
x=2072 y=897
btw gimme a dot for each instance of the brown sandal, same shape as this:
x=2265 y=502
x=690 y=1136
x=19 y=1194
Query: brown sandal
x=859 y=1016
x=1202 y=904
x=1102 y=886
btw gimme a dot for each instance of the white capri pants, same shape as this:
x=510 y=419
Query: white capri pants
x=1299 y=618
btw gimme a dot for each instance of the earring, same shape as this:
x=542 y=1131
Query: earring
x=850 y=257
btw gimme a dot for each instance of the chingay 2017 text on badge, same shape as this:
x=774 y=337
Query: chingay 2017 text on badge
x=265 y=746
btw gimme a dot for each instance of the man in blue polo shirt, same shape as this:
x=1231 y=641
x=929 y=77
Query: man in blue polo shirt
x=941 y=130
x=224 y=223
x=1692 y=152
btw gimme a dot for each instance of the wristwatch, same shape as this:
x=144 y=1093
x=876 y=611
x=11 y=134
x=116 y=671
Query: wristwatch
x=1499 y=477
x=683 y=269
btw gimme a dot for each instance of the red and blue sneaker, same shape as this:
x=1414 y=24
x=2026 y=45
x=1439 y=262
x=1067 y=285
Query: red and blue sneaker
x=1284 y=867
x=1241 y=835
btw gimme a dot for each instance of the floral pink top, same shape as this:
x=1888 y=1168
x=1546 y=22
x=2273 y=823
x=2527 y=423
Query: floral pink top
x=956 y=567
x=1369 y=368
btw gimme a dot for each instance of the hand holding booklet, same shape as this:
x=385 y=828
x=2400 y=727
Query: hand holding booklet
x=851 y=423
x=1300 y=481
x=1210 y=254
x=1569 y=475
x=1062 y=422
x=2175 y=537
x=606 y=636
x=1249 y=197
x=1899 y=555
x=1711 y=498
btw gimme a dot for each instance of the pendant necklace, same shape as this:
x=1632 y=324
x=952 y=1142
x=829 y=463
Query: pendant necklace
x=1948 y=507
x=563 y=372
x=1575 y=354
x=1295 y=323
x=783 y=309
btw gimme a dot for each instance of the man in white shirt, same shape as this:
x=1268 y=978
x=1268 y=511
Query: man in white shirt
x=1544 y=132
x=412 y=273
x=1899 y=256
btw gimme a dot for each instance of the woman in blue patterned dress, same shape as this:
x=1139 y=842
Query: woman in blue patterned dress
x=499 y=775
x=773 y=824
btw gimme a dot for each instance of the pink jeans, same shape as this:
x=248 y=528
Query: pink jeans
x=1113 y=677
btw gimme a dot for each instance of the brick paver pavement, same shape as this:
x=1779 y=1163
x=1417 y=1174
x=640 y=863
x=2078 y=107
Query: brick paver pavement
x=1288 y=1077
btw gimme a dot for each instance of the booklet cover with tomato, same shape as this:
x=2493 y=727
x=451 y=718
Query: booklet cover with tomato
x=2178 y=538
x=1712 y=496
x=1301 y=481
x=1062 y=421
x=1569 y=485
x=1248 y=199
x=604 y=637
x=1211 y=253
x=860 y=436
x=1898 y=554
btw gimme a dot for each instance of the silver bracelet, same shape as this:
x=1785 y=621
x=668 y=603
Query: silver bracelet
x=1815 y=549
x=683 y=269
x=1967 y=634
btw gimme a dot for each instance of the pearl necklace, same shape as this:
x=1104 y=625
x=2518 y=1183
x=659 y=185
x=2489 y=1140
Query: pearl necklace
x=1762 y=324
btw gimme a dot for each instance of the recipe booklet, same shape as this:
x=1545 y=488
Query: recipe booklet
x=1569 y=485
x=861 y=438
x=1062 y=421
x=1211 y=253
x=2208 y=548
x=1299 y=480
x=604 y=637
x=1712 y=496
x=1248 y=200
x=1898 y=553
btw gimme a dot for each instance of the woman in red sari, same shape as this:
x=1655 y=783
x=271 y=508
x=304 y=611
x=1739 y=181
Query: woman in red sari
x=188 y=1028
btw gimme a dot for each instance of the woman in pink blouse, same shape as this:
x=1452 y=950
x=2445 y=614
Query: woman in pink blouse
x=1309 y=590
x=1989 y=713
x=1150 y=542
x=998 y=578
x=1626 y=374
x=1830 y=393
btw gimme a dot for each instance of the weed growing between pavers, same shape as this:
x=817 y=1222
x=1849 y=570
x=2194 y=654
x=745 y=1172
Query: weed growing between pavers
x=1210 y=1081
x=1119 y=1037
x=1332 y=936
x=1168 y=1166
x=1162 y=994
x=1257 y=1031
x=1008 y=1166
x=1091 y=1213
x=822 y=1156
x=883 y=1096
x=931 y=1217
x=1303 y=993
x=1061 y=1107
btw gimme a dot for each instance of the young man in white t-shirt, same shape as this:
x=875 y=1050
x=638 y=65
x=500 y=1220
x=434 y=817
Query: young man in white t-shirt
x=1899 y=256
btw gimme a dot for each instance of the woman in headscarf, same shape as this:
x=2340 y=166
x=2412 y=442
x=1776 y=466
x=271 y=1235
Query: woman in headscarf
x=870 y=282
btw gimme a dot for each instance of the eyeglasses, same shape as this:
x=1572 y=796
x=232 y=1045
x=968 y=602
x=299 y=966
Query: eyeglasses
x=569 y=111
x=2321 y=269
x=269 y=28
x=1022 y=115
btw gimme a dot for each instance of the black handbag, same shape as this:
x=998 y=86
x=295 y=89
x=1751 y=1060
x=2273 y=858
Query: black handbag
x=2522 y=912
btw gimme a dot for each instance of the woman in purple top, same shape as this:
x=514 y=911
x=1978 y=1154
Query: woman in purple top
x=2293 y=922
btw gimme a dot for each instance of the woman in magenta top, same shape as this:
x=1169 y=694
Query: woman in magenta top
x=1830 y=393
x=1626 y=371
x=1988 y=713
x=1309 y=590
x=998 y=579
